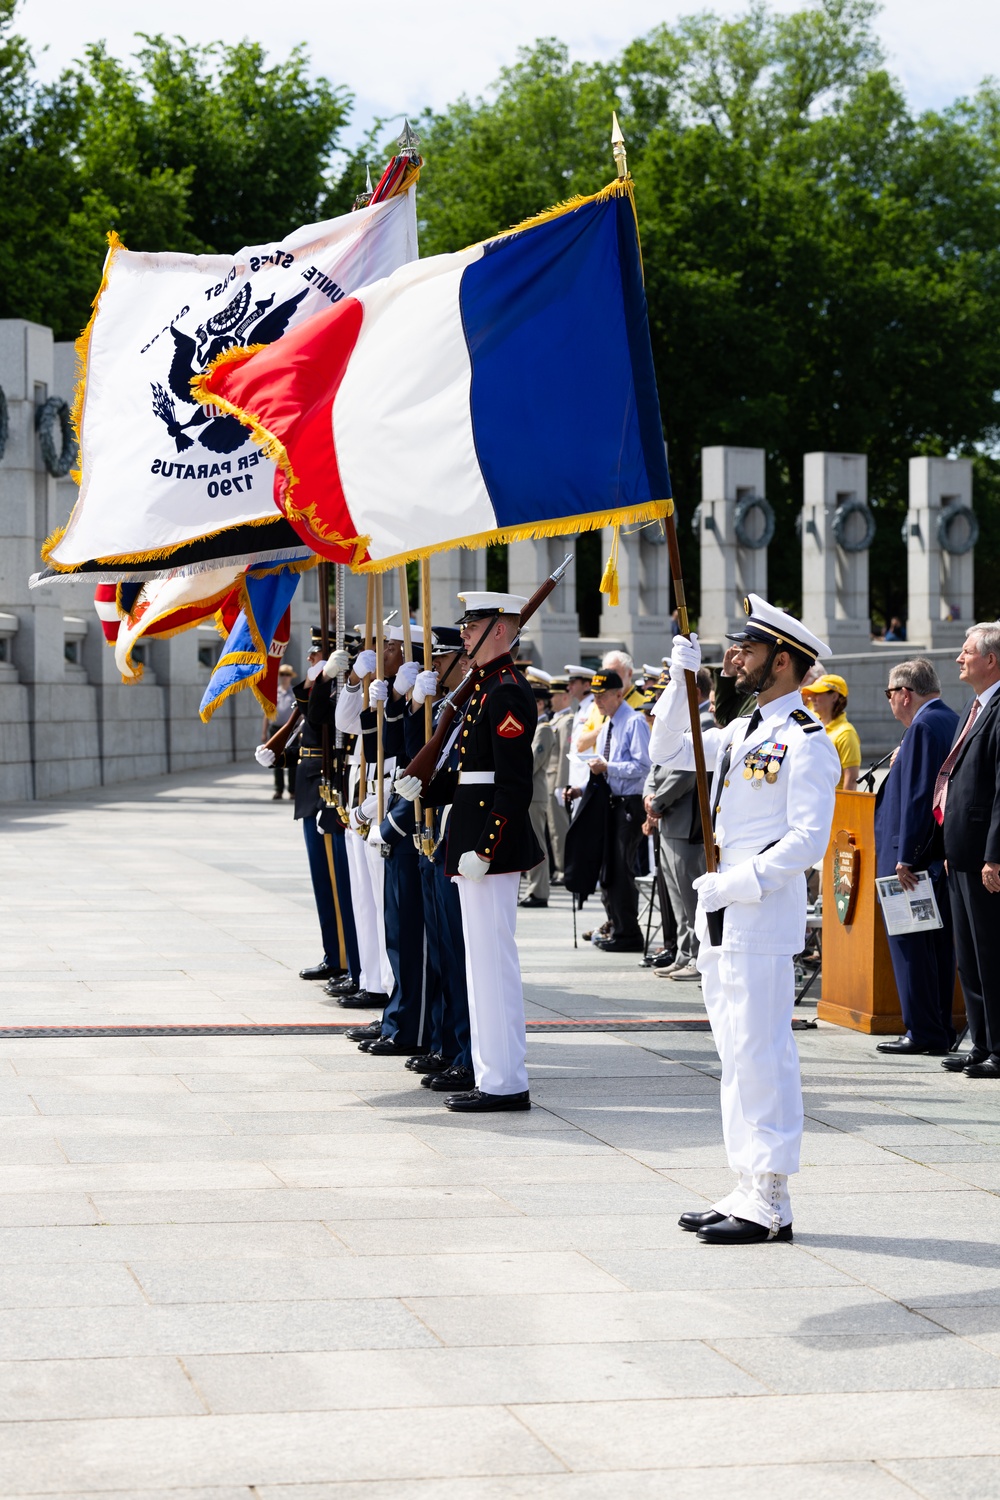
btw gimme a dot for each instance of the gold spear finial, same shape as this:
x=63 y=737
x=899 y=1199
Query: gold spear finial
x=618 y=146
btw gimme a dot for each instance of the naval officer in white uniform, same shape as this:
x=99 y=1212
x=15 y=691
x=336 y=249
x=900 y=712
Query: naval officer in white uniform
x=776 y=777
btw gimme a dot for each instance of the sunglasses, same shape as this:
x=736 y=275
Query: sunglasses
x=889 y=691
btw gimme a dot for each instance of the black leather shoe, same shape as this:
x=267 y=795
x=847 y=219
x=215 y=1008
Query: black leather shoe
x=663 y=960
x=698 y=1221
x=733 y=1231
x=344 y=986
x=430 y=1062
x=364 y=1033
x=957 y=1062
x=532 y=901
x=475 y=1102
x=363 y=1000
x=451 y=1079
x=320 y=971
x=988 y=1069
x=621 y=945
x=387 y=1046
x=905 y=1046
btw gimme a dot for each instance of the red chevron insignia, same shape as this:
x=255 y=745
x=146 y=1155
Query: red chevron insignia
x=510 y=727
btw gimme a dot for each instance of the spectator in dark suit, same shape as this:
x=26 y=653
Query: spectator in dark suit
x=967 y=805
x=923 y=962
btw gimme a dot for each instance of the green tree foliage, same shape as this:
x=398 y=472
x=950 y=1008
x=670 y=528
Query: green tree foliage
x=822 y=267
x=193 y=148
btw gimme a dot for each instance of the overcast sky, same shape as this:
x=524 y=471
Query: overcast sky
x=401 y=57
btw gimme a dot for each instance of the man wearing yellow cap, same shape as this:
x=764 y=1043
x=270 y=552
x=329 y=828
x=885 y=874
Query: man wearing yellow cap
x=827 y=697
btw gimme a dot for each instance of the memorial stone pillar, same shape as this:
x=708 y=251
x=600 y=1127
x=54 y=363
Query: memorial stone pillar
x=642 y=618
x=941 y=533
x=735 y=526
x=837 y=530
x=552 y=636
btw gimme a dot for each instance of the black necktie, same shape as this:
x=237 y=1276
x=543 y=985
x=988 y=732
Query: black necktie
x=755 y=721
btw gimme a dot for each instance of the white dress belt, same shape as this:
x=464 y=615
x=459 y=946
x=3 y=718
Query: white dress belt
x=476 y=778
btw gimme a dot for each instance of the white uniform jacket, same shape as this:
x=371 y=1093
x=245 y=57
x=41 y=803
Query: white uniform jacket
x=769 y=832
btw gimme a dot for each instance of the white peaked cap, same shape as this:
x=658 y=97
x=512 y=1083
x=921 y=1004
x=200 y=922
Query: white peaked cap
x=765 y=622
x=395 y=633
x=572 y=671
x=483 y=604
x=535 y=674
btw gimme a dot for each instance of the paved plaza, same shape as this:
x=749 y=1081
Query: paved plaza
x=269 y=1266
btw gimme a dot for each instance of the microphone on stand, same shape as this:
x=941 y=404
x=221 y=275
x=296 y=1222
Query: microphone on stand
x=869 y=775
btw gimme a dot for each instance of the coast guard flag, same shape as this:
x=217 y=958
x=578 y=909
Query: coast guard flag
x=256 y=641
x=167 y=606
x=505 y=391
x=166 y=482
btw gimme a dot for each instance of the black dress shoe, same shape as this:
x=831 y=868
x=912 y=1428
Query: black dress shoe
x=363 y=1000
x=364 y=1033
x=475 y=1102
x=695 y=1221
x=663 y=960
x=320 y=971
x=452 y=1079
x=957 y=1062
x=530 y=901
x=387 y=1046
x=621 y=945
x=988 y=1069
x=344 y=986
x=733 y=1231
x=905 y=1046
x=429 y=1062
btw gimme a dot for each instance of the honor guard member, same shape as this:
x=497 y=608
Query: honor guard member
x=405 y=1018
x=773 y=799
x=490 y=842
x=447 y=1068
x=328 y=868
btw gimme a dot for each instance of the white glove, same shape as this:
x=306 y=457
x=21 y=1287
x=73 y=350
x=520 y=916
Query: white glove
x=315 y=670
x=410 y=787
x=366 y=663
x=263 y=756
x=426 y=686
x=685 y=656
x=369 y=807
x=375 y=837
x=711 y=895
x=378 y=691
x=406 y=677
x=339 y=662
x=472 y=867
x=355 y=819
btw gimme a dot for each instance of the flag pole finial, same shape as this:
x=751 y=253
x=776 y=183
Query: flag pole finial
x=409 y=140
x=618 y=146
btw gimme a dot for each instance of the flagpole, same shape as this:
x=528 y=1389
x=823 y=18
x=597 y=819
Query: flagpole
x=380 y=706
x=680 y=600
x=365 y=683
x=425 y=612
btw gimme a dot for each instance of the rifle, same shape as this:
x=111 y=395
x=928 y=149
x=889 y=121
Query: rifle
x=424 y=763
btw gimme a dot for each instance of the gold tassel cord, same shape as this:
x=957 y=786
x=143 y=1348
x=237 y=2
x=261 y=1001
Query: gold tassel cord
x=609 y=580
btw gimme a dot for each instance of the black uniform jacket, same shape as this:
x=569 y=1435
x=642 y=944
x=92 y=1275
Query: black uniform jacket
x=316 y=700
x=492 y=818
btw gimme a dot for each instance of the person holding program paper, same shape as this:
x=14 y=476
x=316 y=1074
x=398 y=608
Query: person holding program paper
x=923 y=962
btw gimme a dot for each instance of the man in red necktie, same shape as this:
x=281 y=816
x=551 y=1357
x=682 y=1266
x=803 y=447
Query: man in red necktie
x=967 y=806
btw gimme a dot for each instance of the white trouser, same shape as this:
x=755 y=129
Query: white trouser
x=496 y=999
x=749 y=998
x=367 y=901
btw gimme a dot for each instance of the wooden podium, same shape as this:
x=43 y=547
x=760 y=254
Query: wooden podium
x=859 y=987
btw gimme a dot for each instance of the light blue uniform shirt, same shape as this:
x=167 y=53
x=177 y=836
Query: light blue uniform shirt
x=627 y=754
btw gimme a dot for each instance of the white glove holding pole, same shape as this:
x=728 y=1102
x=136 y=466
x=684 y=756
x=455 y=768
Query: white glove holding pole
x=315 y=670
x=263 y=756
x=726 y=887
x=365 y=665
x=375 y=836
x=425 y=687
x=410 y=787
x=378 y=691
x=472 y=867
x=339 y=662
x=369 y=808
x=405 y=678
x=685 y=655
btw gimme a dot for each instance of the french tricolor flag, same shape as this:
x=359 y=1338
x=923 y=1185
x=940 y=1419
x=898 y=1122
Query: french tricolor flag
x=502 y=392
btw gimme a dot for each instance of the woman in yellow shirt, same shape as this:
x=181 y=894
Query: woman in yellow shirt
x=827 y=697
